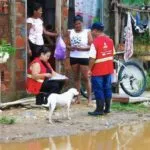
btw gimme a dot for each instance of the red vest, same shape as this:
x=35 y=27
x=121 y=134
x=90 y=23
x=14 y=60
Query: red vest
x=104 y=56
x=33 y=86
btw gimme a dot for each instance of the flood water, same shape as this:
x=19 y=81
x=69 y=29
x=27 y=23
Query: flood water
x=136 y=137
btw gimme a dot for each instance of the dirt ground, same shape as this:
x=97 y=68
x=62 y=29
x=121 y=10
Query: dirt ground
x=32 y=123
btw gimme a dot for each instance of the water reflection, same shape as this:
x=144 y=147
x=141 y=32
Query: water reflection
x=135 y=137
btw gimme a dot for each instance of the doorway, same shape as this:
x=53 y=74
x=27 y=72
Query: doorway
x=48 y=18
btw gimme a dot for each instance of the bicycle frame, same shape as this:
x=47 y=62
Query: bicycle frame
x=119 y=65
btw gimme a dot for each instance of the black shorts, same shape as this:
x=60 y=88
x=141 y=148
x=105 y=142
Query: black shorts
x=80 y=61
x=35 y=49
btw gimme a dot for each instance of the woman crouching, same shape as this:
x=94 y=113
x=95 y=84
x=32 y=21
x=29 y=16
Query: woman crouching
x=38 y=77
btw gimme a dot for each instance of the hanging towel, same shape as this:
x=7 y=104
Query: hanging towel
x=128 y=38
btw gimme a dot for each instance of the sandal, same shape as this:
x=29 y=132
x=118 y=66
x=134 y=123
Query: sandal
x=90 y=105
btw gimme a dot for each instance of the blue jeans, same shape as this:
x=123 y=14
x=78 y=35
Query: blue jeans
x=101 y=86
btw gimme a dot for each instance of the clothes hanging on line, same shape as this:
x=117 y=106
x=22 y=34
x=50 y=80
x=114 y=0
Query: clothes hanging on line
x=128 y=38
x=87 y=10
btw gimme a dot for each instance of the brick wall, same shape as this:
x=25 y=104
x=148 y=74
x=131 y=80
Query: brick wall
x=4 y=34
x=20 y=45
x=14 y=71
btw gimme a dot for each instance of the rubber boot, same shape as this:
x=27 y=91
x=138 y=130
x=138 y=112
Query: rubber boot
x=99 y=108
x=107 y=106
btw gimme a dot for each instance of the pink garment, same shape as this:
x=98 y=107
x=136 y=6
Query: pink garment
x=87 y=9
x=128 y=39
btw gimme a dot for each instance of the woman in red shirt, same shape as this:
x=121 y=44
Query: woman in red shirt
x=39 y=73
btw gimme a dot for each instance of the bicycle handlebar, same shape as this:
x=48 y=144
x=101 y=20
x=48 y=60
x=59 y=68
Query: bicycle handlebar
x=119 y=52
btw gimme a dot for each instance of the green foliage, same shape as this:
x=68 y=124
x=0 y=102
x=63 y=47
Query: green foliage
x=146 y=2
x=148 y=80
x=96 y=19
x=137 y=2
x=129 y=107
x=5 y=47
x=143 y=38
x=142 y=43
x=7 y=120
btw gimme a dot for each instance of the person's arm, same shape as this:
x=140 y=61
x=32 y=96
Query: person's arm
x=68 y=44
x=29 y=25
x=82 y=48
x=53 y=73
x=90 y=40
x=35 y=68
x=92 y=55
x=49 y=33
x=67 y=59
x=91 y=62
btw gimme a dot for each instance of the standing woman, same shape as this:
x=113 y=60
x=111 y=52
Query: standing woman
x=79 y=41
x=35 y=30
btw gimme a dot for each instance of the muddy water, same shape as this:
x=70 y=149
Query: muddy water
x=135 y=137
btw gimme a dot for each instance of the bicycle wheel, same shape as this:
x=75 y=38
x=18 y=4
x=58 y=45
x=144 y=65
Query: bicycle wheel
x=132 y=79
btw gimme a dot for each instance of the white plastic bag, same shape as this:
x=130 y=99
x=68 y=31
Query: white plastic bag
x=114 y=77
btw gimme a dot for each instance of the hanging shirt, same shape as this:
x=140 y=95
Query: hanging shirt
x=128 y=39
x=36 y=31
x=79 y=39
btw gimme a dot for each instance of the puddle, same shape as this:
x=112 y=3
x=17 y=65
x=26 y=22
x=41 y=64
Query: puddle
x=135 y=137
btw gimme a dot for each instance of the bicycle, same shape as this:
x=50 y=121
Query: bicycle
x=130 y=77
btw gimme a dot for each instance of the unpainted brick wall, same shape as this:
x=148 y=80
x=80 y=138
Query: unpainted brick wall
x=14 y=71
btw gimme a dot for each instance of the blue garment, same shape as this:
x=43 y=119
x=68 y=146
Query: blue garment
x=101 y=86
x=138 y=19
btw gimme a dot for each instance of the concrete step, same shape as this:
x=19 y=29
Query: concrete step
x=123 y=98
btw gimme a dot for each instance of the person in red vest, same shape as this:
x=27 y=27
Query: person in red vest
x=38 y=77
x=101 y=68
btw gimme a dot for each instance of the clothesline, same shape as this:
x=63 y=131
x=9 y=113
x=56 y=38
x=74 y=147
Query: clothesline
x=130 y=8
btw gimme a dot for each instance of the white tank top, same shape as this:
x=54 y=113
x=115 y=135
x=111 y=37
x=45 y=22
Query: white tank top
x=36 y=31
x=79 y=39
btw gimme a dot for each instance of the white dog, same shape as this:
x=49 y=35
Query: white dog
x=62 y=99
